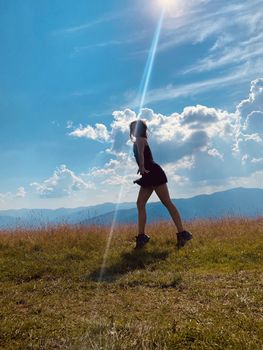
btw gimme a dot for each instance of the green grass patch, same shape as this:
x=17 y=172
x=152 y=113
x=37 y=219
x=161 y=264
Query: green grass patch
x=54 y=293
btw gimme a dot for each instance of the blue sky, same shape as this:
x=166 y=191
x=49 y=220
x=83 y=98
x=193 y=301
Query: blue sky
x=70 y=76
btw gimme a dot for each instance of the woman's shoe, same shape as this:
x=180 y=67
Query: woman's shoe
x=182 y=238
x=141 y=240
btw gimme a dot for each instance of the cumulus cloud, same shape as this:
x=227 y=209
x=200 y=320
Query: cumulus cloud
x=120 y=128
x=200 y=145
x=21 y=193
x=116 y=172
x=254 y=102
x=9 y=196
x=249 y=136
x=117 y=136
x=99 y=132
x=62 y=183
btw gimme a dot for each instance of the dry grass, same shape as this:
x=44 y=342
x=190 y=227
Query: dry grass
x=206 y=296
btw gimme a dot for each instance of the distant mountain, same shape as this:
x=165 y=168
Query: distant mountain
x=245 y=202
x=7 y=221
x=31 y=218
x=237 y=202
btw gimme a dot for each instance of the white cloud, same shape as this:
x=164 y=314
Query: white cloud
x=118 y=134
x=84 y=26
x=171 y=91
x=79 y=50
x=9 y=196
x=207 y=20
x=5 y=196
x=98 y=133
x=231 y=37
x=230 y=55
x=249 y=136
x=252 y=180
x=117 y=172
x=213 y=152
x=200 y=145
x=235 y=31
x=62 y=183
x=257 y=160
x=21 y=193
x=254 y=102
x=196 y=148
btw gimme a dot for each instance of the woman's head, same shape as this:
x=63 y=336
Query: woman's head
x=138 y=128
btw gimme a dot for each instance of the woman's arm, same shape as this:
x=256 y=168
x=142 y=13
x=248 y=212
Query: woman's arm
x=141 y=144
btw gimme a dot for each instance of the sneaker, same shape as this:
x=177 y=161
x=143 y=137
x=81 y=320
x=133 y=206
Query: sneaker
x=182 y=238
x=141 y=240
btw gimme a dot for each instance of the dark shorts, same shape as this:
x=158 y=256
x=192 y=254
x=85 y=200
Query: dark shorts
x=155 y=177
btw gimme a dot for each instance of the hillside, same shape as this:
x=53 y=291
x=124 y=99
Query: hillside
x=207 y=295
x=33 y=218
x=237 y=202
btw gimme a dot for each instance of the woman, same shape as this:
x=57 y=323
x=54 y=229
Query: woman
x=153 y=179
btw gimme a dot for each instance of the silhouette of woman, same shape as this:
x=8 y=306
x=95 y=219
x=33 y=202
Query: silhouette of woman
x=153 y=179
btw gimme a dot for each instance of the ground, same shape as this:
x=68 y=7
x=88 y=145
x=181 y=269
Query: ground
x=208 y=295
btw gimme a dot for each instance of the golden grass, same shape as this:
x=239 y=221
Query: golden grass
x=208 y=295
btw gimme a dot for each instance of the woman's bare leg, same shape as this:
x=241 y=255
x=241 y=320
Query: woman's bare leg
x=143 y=196
x=163 y=193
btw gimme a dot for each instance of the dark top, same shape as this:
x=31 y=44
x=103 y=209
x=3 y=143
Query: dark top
x=148 y=157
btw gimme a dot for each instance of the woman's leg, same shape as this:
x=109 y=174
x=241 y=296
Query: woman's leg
x=163 y=193
x=143 y=196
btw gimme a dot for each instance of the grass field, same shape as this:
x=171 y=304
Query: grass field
x=208 y=295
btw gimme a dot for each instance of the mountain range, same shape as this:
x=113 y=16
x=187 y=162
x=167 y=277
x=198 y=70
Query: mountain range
x=236 y=202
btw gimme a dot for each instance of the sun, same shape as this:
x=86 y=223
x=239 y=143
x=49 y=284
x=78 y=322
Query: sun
x=174 y=8
x=166 y=3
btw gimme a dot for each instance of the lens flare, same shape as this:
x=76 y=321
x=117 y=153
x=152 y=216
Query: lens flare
x=149 y=63
x=142 y=94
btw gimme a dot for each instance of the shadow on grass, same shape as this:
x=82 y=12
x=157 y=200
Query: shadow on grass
x=128 y=262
